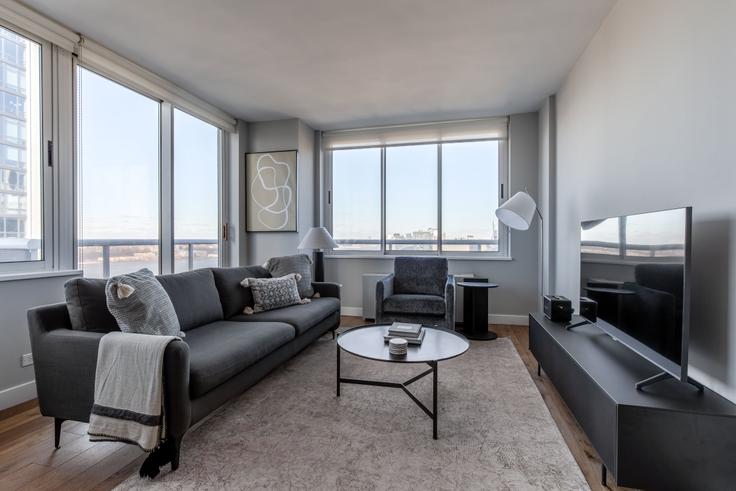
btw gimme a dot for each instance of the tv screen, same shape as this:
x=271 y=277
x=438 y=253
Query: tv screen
x=636 y=268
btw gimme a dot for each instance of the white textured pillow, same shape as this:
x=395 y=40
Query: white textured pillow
x=273 y=293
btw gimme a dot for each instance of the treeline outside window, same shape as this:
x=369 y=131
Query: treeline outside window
x=422 y=198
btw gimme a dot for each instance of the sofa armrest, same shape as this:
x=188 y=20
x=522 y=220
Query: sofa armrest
x=65 y=362
x=326 y=289
x=450 y=302
x=384 y=289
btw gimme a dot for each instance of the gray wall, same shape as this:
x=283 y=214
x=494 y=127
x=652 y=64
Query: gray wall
x=645 y=121
x=547 y=175
x=16 y=296
x=272 y=136
x=518 y=278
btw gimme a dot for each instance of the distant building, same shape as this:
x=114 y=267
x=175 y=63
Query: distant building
x=20 y=180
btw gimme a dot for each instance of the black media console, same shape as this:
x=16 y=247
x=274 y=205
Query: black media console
x=667 y=435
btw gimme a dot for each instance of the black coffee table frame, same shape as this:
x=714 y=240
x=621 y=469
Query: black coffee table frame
x=400 y=385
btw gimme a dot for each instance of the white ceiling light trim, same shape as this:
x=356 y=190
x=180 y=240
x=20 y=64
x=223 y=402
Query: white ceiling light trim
x=108 y=63
x=447 y=131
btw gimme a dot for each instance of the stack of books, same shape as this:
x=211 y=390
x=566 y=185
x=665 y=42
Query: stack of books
x=413 y=333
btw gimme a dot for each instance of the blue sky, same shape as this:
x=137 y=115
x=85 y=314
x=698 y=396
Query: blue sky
x=469 y=187
x=119 y=171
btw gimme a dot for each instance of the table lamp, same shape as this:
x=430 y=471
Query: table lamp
x=318 y=239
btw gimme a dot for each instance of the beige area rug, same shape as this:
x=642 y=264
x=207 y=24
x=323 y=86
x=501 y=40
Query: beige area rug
x=290 y=431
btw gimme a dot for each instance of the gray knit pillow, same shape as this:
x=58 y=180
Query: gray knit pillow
x=298 y=263
x=273 y=293
x=141 y=305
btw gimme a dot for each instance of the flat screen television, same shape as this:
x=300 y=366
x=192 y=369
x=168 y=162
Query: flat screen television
x=637 y=269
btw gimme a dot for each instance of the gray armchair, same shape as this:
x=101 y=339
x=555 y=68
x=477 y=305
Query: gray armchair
x=419 y=291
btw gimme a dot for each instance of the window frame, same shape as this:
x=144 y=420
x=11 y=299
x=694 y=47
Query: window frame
x=165 y=171
x=47 y=116
x=502 y=185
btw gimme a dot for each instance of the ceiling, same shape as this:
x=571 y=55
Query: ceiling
x=347 y=63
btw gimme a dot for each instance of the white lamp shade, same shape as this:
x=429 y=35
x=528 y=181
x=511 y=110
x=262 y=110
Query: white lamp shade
x=318 y=238
x=518 y=211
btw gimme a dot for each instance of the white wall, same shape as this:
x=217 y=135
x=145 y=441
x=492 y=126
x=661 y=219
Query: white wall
x=517 y=278
x=17 y=383
x=273 y=136
x=645 y=121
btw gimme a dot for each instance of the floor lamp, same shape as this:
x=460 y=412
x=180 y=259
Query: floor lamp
x=518 y=213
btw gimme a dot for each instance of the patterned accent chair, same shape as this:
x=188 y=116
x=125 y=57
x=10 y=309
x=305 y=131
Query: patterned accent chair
x=418 y=291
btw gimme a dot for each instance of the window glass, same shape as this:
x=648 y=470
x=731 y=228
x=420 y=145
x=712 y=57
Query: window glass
x=21 y=198
x=356 y=199
x=470 y=196
x=411 y=198
x=118 y=171
x=196 y=212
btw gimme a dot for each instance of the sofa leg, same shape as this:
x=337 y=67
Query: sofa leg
x=57 y=431
x=333 y=334
x=176 y=449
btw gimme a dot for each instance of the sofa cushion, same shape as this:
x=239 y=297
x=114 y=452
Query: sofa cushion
x=221 y=350
x=236 y=298
x=87 y=306
x=422 y=275
x=141 y=305
x=298 y=263
x=194 y=296
x=301 y=317
x=405 y=303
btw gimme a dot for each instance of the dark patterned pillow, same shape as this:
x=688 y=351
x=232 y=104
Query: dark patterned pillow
x=300 y=264
x=273 y=293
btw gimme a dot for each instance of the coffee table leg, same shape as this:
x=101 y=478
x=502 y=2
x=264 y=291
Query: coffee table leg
x=338 y=371
x=434 y=400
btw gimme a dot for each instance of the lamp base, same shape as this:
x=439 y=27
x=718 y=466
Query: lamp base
x=319 y=266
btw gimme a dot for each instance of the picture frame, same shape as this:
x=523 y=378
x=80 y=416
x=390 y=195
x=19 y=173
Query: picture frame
x=271 y=188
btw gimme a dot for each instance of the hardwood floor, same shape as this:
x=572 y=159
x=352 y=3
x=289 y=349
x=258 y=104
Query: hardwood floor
x=28 y=459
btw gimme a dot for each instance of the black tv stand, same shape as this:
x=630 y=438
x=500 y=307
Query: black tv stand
x=668 y=436
x=664 y=376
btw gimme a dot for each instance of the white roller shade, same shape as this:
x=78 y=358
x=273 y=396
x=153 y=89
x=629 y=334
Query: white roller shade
x=449 y=131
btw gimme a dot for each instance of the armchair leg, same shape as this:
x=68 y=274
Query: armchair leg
x=57 y=431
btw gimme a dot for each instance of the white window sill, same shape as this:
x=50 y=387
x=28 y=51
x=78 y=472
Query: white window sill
x=39 y=274
x=392 y=256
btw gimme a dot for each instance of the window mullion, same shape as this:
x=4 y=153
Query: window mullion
x=166 y=197
x=439 y=199
x=383 y=200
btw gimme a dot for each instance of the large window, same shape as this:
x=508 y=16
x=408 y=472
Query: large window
x=118 y=177
x=196 y=211
x=128 y=216
x=424 y=198
x=22 y=169
x=356 y=199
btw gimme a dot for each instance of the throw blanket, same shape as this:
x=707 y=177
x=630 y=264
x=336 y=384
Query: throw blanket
x=128 y=403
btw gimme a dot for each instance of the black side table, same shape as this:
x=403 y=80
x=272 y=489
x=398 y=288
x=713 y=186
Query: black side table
x=475 y=310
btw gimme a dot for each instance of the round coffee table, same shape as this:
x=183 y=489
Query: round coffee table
x=367 y=342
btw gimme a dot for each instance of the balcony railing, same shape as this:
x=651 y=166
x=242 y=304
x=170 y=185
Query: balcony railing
x=107 y=244
x=394 y=245
x=628 y=249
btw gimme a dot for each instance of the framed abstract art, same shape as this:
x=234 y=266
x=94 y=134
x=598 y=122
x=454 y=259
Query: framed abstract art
x=271 y=191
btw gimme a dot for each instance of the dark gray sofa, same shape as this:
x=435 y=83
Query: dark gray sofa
x=223 y=353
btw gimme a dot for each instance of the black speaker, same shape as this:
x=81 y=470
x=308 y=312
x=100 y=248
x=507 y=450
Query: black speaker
x=589 y=309
x=557 y=308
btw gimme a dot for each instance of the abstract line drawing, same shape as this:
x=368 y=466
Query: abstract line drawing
x=271 y=179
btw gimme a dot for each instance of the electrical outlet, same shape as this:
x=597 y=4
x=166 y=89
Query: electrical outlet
x=26 y=360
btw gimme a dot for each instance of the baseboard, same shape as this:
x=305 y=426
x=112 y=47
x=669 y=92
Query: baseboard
x=351 y=311
x=509 y=319
x=17 y=395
